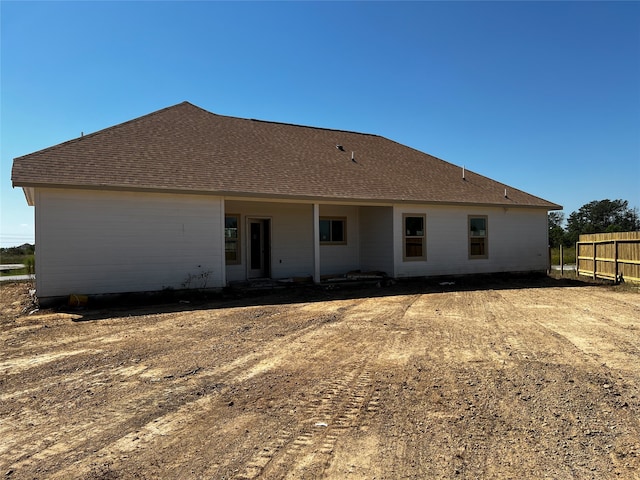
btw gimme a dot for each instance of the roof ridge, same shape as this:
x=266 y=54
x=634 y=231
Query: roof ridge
x=283 y=123
x=311 y=127
x=110 y=127
x=187 y=103
x=188 y=138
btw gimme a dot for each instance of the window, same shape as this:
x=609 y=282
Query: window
x=478 y=237
x=333 y=230
x=415 y=237
x=232 y=239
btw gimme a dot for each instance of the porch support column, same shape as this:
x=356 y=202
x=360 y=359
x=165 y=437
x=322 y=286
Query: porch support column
x=316 y=243
x=223 y=262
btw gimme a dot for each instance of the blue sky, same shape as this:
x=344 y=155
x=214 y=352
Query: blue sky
x=544 y=96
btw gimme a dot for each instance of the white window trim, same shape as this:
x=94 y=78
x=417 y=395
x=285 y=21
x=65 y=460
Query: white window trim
x=423 y=257
x=344 y=230
x=485 y=237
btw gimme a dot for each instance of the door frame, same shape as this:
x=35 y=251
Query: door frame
x=263 y=269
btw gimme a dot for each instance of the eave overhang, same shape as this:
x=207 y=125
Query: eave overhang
x=29 y=191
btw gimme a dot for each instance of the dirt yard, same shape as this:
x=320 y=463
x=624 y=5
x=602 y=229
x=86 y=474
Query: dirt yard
x=519 y=378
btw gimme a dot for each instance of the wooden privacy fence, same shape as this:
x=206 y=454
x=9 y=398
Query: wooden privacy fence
x=612 y=256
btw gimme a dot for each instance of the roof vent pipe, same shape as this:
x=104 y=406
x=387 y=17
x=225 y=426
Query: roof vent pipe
x=353 y=159
x=463 y=173
x=505 y=193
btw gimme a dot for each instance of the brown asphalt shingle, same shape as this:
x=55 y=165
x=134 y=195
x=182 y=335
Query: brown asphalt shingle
x=186 y=148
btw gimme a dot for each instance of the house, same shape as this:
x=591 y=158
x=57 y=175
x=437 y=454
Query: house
x=186 y=198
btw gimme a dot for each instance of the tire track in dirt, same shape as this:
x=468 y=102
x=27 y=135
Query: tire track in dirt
x=38 y=445
x=497 y=350
x=91 y=331
x=432 y=333
x=543 y=341
x=592 y=329
x=465 y=384
x=234 y=373
x=459 y=325
x=20 y=364
x=399 y=340
x=306 y=452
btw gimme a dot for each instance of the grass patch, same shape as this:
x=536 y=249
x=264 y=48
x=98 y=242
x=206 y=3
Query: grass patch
x=29 y=262
x=20 y=271
x=569 y=254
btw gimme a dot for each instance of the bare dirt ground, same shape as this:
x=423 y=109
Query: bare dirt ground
x=518 y=378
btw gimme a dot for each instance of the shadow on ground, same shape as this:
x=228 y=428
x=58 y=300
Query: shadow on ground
x=127 y=305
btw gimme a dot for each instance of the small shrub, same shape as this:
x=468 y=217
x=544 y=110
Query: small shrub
x=30 y=264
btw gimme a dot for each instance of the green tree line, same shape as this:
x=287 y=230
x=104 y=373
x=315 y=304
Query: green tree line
x=598 y=216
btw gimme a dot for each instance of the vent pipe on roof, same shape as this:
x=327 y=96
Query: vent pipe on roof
x=463 y=173
x=353 y=158
x=505 y=193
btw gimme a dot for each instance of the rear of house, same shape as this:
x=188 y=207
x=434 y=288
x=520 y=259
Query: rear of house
x=183 y=198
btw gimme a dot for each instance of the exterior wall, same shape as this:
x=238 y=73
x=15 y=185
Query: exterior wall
x=292 y=224
x=95 y=242
x=340 y=259
x=376 y=239
x=291 y=237
x=517 y=241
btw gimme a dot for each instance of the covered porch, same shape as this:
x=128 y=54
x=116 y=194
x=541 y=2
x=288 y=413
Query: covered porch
x=267 y=239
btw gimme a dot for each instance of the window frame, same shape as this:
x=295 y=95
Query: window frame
x=484 y=237
x=406 y=237
x=332 y=219
x=238 y=250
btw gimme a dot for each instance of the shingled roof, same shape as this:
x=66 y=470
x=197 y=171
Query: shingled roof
x=184 y=148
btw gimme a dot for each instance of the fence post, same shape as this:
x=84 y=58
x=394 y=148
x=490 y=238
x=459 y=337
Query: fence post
x=561 y=260
x=615 y=260
x=594 y=259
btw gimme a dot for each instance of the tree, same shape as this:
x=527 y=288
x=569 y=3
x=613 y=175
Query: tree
x=602 y=216
x=556 y=232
